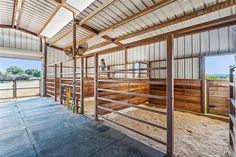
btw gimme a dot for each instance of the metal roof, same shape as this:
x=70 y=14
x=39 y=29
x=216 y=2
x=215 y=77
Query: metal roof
x=115 y=19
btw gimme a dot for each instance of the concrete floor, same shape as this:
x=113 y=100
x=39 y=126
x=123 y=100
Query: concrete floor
x=39 y=127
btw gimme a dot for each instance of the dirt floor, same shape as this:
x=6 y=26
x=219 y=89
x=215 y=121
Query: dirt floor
x=195 y=136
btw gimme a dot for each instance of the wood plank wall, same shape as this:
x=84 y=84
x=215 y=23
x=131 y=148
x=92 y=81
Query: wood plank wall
x=132 y=87
x=88 y=86
x=187 y=94
x=217 y=93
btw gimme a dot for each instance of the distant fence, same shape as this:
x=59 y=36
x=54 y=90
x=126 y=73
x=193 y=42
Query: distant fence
x=19 y=88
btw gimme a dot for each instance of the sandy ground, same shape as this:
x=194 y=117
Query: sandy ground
x=195 y=136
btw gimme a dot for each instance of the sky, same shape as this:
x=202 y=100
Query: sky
x=219 y=64
x=22 y=63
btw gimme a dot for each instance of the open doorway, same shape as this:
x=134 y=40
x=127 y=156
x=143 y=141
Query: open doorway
x=217 y=84
x=19 y=78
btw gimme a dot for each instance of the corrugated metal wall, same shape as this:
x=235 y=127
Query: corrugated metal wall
x=15 y=39
x=55 y=56
x=187 y=51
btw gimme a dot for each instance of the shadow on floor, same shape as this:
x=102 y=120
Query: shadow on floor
x=39 y=127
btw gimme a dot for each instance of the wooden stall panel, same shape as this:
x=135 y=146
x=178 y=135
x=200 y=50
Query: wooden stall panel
x=217 y=94
x=187 y=94
x=119 y=86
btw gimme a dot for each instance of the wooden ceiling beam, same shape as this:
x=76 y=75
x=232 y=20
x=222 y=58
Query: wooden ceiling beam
x=14 y=13
x=207 y=10
x=50 y=18
x=128 y=19
x=154 y=7
x=97 y=10
x=207 y=26
x=19 y=6
x=131 y=18
x=183 y=18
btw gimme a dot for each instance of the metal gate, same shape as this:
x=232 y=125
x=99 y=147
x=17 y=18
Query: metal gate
x=10 y=89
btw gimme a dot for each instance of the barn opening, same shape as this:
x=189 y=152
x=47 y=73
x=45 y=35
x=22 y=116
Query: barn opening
x=121 y=78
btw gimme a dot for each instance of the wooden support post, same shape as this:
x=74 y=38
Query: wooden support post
x=55 y=82
x=74 y=67
x=95 y=86
x=204 y=108
x=45 y=70
x=14 y=89
x=82 y=86
x=170 y=96
x=86 y=67
x=61 y=92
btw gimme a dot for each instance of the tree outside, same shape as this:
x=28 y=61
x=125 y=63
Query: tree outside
x=17 y=73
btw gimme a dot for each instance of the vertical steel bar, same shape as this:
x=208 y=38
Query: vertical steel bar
x=203 y=84
x=170 y=96
x=74 y=67
x=61 y=92
x=82 y=86
x=45 y=69
x=95 y=85
x=86 y=67
x=126 y=62
x=55 y=82
x=231 y=95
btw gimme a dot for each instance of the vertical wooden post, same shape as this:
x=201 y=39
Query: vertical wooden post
x=86 y=67
x=61 y=92
x=170 y=96
x=95 y=85
x=14 y=89
x=82 y=86
x=45 y=69
x=74 y=67
x=203 y=84
x=55 y=82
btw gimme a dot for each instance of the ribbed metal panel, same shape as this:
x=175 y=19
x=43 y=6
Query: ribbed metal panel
x=11 y=38
x=35 y=14
x=6 y=11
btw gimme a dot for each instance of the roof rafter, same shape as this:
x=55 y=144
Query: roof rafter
x=14 y=13
x=18 y=12
x=154 y=7
x=183 y=18
x=97 y=10
x=128 y=19
x=60 y=3
x=58 y=7
x=215 y=24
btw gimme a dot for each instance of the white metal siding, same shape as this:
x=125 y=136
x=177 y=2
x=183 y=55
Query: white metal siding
x=15 y=39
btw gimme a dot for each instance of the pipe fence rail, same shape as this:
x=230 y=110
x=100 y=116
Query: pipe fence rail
x=232 y=110
x=10 y=89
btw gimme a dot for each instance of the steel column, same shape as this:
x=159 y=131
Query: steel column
x=95 y=85
x=74 y=66
x=203 y=84
x=170 y=96
x=61 y=71
x=82 y=86
x=45 y=69
x=55 y=82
